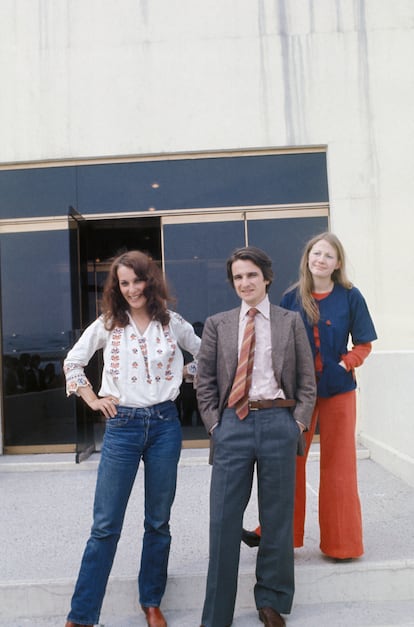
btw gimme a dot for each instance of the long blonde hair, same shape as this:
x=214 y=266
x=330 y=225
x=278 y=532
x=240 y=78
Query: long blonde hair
x=305 y=284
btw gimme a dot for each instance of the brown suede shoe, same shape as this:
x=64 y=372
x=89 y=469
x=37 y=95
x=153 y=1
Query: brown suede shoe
x=154 y=617
x=70 y=624
x=271 y=618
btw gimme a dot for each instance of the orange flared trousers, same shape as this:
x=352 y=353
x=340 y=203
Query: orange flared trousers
x=340 y=519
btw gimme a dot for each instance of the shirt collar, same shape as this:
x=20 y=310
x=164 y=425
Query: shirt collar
x=263 y=307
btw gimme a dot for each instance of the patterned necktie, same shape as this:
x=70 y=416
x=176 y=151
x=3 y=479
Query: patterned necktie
x=239 y=395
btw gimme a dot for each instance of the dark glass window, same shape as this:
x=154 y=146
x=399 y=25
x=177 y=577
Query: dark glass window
x=51 y=280
x=37 y=332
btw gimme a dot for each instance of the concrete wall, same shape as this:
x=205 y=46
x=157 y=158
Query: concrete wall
x=104 y=77
x=386 y=423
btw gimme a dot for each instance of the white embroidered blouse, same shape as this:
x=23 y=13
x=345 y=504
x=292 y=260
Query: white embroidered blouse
x=139 y=369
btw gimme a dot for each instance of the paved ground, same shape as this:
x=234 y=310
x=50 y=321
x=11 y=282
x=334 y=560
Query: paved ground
x=46 y=516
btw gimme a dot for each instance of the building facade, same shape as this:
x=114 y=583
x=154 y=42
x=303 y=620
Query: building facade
x=102 y=99
x=188 y=213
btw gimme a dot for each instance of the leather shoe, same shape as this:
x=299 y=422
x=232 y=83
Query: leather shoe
x=154 y=616
x=251 y=538
x=70 y=624
x=270 y=617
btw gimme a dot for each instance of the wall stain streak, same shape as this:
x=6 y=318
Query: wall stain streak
x=372 y=174
x=143 y=5
x=263 y=73
x=339 y=17
x=294 y=79
x=311 y=6
x=364 y=86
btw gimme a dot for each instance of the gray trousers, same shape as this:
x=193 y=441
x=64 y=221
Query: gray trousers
x=267 y=438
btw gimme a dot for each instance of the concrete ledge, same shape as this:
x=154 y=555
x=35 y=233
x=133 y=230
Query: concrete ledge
x=398 y=463
x=363 y=614
x=328 y=583
x=64 y=461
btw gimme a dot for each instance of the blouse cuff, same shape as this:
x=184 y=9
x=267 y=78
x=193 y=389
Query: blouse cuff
x=75 y=379
x=192 y=367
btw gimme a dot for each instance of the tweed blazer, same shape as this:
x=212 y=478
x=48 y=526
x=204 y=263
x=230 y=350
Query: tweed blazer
x=292 y=359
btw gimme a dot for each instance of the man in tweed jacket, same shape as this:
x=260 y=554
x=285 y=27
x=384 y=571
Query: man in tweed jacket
x=281 y=400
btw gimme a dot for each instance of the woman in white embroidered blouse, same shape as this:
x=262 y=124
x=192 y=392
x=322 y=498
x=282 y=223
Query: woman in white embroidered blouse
x=142 y=373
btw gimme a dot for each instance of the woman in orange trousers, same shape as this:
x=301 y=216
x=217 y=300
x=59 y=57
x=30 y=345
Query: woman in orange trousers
x=333 y=311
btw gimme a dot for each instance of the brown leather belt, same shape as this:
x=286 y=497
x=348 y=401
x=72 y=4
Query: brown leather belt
x=268 y=404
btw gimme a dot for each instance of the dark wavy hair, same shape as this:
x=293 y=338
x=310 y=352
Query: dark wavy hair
x=114 y=305
x=256 y=256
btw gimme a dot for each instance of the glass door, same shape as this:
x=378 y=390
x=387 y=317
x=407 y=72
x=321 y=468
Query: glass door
x=95 y=244
x=283 y=235
x=85 y=418
x=195 y=249
x=194 y=259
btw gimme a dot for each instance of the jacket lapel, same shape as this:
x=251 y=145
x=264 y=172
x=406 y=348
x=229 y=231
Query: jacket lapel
x=230 y=337
x=279 y=334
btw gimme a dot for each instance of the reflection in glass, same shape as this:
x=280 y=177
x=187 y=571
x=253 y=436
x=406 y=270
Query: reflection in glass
x=35 y=402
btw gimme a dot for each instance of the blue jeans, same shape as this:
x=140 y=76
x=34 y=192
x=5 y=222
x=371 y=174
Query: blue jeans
x=152 y=434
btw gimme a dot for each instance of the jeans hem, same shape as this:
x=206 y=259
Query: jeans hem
x=82 y=621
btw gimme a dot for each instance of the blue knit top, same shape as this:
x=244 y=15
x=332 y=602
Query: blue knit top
x=343 y=314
